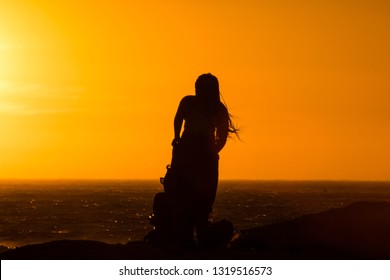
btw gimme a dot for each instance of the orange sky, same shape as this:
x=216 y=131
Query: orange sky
x=89 y=89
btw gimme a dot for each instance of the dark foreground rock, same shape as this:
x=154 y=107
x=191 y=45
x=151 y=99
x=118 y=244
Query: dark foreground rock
x=358 y=231
x=3 y=248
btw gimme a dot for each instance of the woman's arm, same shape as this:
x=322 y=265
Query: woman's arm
x=179 y=118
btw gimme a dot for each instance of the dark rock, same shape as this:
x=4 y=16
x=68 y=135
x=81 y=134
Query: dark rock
x=358 y=231
x=3 y=248
x=84 y=250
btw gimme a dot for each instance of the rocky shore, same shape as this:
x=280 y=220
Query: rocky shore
x=358 y=231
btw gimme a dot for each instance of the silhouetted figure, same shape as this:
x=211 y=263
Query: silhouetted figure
x=193 y=177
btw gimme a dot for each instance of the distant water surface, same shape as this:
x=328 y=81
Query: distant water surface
x=117 y=211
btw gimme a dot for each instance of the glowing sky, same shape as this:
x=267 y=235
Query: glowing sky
x=89 y=89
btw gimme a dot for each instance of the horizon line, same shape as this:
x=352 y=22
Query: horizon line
x=220 y=180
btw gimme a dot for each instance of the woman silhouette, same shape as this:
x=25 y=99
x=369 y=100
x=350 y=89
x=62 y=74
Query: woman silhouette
x=207 y=124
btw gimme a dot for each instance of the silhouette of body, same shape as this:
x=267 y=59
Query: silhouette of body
x=195 y=158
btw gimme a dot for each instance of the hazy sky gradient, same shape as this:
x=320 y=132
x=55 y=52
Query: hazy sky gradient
x=90 y=89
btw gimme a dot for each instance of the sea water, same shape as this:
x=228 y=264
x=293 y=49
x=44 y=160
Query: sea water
x=116 y=211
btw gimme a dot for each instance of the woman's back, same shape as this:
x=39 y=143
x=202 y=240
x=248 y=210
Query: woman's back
x=202 y=120
x=198 y=119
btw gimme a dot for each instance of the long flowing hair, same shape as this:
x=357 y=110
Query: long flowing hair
x=207 y=88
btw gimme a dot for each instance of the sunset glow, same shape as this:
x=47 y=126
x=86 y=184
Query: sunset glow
x=90 y=89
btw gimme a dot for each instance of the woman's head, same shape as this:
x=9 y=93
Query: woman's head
x=207 y=87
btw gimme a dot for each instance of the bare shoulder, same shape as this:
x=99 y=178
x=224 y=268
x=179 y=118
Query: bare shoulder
x=188 y=99
x=185 y=104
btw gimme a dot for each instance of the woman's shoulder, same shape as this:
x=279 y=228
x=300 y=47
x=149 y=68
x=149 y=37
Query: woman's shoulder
x=188 y=98
x=187 y=101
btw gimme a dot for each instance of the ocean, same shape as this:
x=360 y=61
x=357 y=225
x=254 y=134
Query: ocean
x=117 y=211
